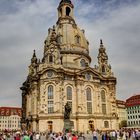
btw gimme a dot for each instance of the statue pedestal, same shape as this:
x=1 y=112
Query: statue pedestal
x=68 y=125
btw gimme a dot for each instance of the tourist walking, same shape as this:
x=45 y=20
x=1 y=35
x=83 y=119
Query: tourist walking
x=17 y=137
x=81 y=137
x=26 y=137
x=74 y=137
x=105 y=136
x=48 y=136
x=37 y=136
x=94 y=135
x=1 y=136
x=124 y=136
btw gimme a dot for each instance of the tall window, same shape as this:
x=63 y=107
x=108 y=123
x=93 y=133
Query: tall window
x=50 y=92
x=69 y=96
x=69 y=93
x=59 y=39
x=83 y=63
x=103 y=69
x=88 y=94
x=89 y=100
x=50 y=106
x=77 y=39
x=50 y=59
x=67 y=11
x=104 y=108
x=103 y=100
x=50 y=99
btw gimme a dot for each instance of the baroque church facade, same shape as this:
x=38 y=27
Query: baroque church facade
x=65 y=76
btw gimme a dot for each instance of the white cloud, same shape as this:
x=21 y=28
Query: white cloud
x=26 y=28
x=120 y=32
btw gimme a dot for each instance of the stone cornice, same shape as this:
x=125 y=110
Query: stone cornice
x=78 y=117
x=69 y=21
x=78 y=72
x=76 y=52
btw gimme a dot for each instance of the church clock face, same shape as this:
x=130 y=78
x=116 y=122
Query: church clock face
x=49 y=73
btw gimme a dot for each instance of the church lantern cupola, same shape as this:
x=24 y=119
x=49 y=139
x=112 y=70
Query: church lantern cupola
x=65 y=10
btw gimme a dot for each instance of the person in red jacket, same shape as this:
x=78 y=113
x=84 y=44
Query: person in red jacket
x=17 y=137
x=74 y=137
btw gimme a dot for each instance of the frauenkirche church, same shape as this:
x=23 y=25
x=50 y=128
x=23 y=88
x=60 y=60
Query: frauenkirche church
x=65 y=76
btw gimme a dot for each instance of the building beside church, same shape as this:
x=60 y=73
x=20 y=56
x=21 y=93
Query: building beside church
x=121 y=110
x=10 y=118
x=64 y=75
x=133 y=111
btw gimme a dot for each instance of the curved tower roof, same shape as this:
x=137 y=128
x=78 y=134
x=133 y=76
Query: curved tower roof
x=69 y=37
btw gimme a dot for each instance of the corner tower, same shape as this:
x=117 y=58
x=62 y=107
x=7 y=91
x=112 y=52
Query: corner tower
x=104 y=68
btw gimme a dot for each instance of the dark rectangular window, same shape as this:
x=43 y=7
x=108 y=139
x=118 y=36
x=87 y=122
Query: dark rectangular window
x=104 y=108
x=50 y=107
x=89 y=107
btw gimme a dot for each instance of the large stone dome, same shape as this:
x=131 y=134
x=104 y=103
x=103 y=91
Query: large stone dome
x=68 y=36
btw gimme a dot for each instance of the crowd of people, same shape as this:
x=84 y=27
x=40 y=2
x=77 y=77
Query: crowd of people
x=121 y=134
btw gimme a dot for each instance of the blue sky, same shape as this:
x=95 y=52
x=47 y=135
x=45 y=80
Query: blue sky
x=24 y=26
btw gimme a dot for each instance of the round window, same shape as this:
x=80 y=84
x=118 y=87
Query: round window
x=49 y=73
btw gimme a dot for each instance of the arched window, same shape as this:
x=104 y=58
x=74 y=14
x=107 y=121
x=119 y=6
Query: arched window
x=89 y=100
x=50 y=92
x=106 y=124
x=68 y=11
x=103 y=69
x=59 y=39
x=50 y=99
x=50 y=59
x=88 y=93
x=83 y=63
x=69 y=93
x=103 y=98
x=77 y=39
x=69 y=96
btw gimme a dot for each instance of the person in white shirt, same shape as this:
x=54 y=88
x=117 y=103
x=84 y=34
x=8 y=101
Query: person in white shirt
x=37 y=136
x=94 y=135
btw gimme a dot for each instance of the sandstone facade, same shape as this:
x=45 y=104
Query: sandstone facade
x=65 y=75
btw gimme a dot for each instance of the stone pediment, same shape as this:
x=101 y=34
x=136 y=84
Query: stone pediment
x=91 y=71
